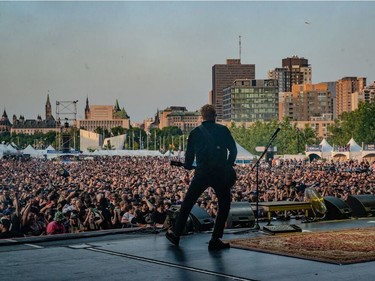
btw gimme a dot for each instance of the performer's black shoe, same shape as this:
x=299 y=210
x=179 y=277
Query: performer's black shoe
x=216 y=244
x=172 y=237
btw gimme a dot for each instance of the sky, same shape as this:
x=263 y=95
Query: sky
x=151 y=55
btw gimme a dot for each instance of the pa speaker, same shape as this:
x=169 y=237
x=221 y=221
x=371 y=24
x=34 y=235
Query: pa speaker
x=337 y=209
x=198 y=220
x=240 y=215
x=202 y=221
x=362 y=205
x=170 y=221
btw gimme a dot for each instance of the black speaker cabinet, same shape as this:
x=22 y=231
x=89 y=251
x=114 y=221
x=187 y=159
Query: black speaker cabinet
x=362 y=205
x=337 y=209
x=240 y=215
x=202 y=221
x=198 y=220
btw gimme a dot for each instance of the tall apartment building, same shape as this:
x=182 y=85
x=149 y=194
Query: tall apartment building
x=282 y=75
x=250 y=100
x=223 y=75
x=306 y=102
x=368 y=93
x=103 y=116
x=346 y=99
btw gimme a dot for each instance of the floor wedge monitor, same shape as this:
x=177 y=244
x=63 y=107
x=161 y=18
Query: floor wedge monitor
x=337 y=209
x=362 y=205
x=240 y=215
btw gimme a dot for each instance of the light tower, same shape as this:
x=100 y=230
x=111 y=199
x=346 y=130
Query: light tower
x=66 y=114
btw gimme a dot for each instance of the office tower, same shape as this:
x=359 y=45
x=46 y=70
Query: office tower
x=299 y=71
x=223 y=75
x=346 y=97
x=250 y=100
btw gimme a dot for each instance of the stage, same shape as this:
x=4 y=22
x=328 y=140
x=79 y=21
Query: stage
x=143 y=255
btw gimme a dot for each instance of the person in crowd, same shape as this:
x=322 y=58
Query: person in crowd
x=93 y=220
x=32 y=191
x=57 y=225
x=75 y=225
x=5 y=225
x=159 y=215
x=209 y=145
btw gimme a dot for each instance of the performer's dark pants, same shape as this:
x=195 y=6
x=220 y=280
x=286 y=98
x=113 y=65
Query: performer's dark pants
x=204 y=178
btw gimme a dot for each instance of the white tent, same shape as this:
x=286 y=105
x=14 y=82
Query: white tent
x=325 y=146
x=29 y=150
x=243 y=156
x=355 y=149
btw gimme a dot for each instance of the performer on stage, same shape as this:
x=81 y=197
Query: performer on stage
x=208 y=144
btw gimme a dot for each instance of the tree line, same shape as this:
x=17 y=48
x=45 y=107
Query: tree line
x=359 y=124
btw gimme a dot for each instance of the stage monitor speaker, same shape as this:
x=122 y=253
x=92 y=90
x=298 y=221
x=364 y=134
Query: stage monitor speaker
x=240 y=215
x=202 y=221
x=198 y=220
x=337 y=209
x=362 y=205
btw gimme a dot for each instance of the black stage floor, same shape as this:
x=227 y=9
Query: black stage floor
x=146 y=256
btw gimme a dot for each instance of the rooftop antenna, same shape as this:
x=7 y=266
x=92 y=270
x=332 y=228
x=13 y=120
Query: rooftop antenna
x=239 y=42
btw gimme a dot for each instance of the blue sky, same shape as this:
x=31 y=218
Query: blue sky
x=151 y=55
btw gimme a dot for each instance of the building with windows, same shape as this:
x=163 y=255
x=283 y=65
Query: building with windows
x=105 y=117
x=178 y=116
x=305 y=102
x=367 y=95
x=299 y=71
x=223 y=75
x=31 y=126
x=250 y=100
x=282 y=75
x=347 y=93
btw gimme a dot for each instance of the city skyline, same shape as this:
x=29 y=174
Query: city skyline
x=151 y=55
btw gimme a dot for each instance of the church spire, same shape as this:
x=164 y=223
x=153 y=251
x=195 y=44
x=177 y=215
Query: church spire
x=48 y=108
x=87 y=108
x=117 y=107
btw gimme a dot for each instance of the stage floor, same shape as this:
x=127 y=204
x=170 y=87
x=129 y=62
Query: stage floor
x=147 y=256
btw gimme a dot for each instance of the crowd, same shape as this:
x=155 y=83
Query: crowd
x=40 y=197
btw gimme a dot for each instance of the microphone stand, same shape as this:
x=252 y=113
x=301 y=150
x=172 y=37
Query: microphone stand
x=256 y=165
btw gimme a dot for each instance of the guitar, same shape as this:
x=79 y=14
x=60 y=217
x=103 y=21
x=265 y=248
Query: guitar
x=176 y=163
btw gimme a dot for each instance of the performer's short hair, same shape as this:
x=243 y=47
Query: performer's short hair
x=208 y=112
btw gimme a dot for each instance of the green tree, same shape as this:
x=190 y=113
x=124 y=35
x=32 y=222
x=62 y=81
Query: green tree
x=358 y=124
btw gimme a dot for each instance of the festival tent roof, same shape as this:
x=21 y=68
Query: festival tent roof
x=325 y=146
x=31 y=151
x=11 y=149
x=3 y=147
x=50 y=147
x=242 y=153
x=354 y=147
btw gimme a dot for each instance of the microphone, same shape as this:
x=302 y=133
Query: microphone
x=275 y=133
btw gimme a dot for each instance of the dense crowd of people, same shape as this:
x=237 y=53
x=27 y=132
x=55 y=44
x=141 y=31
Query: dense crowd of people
x=44 y=197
